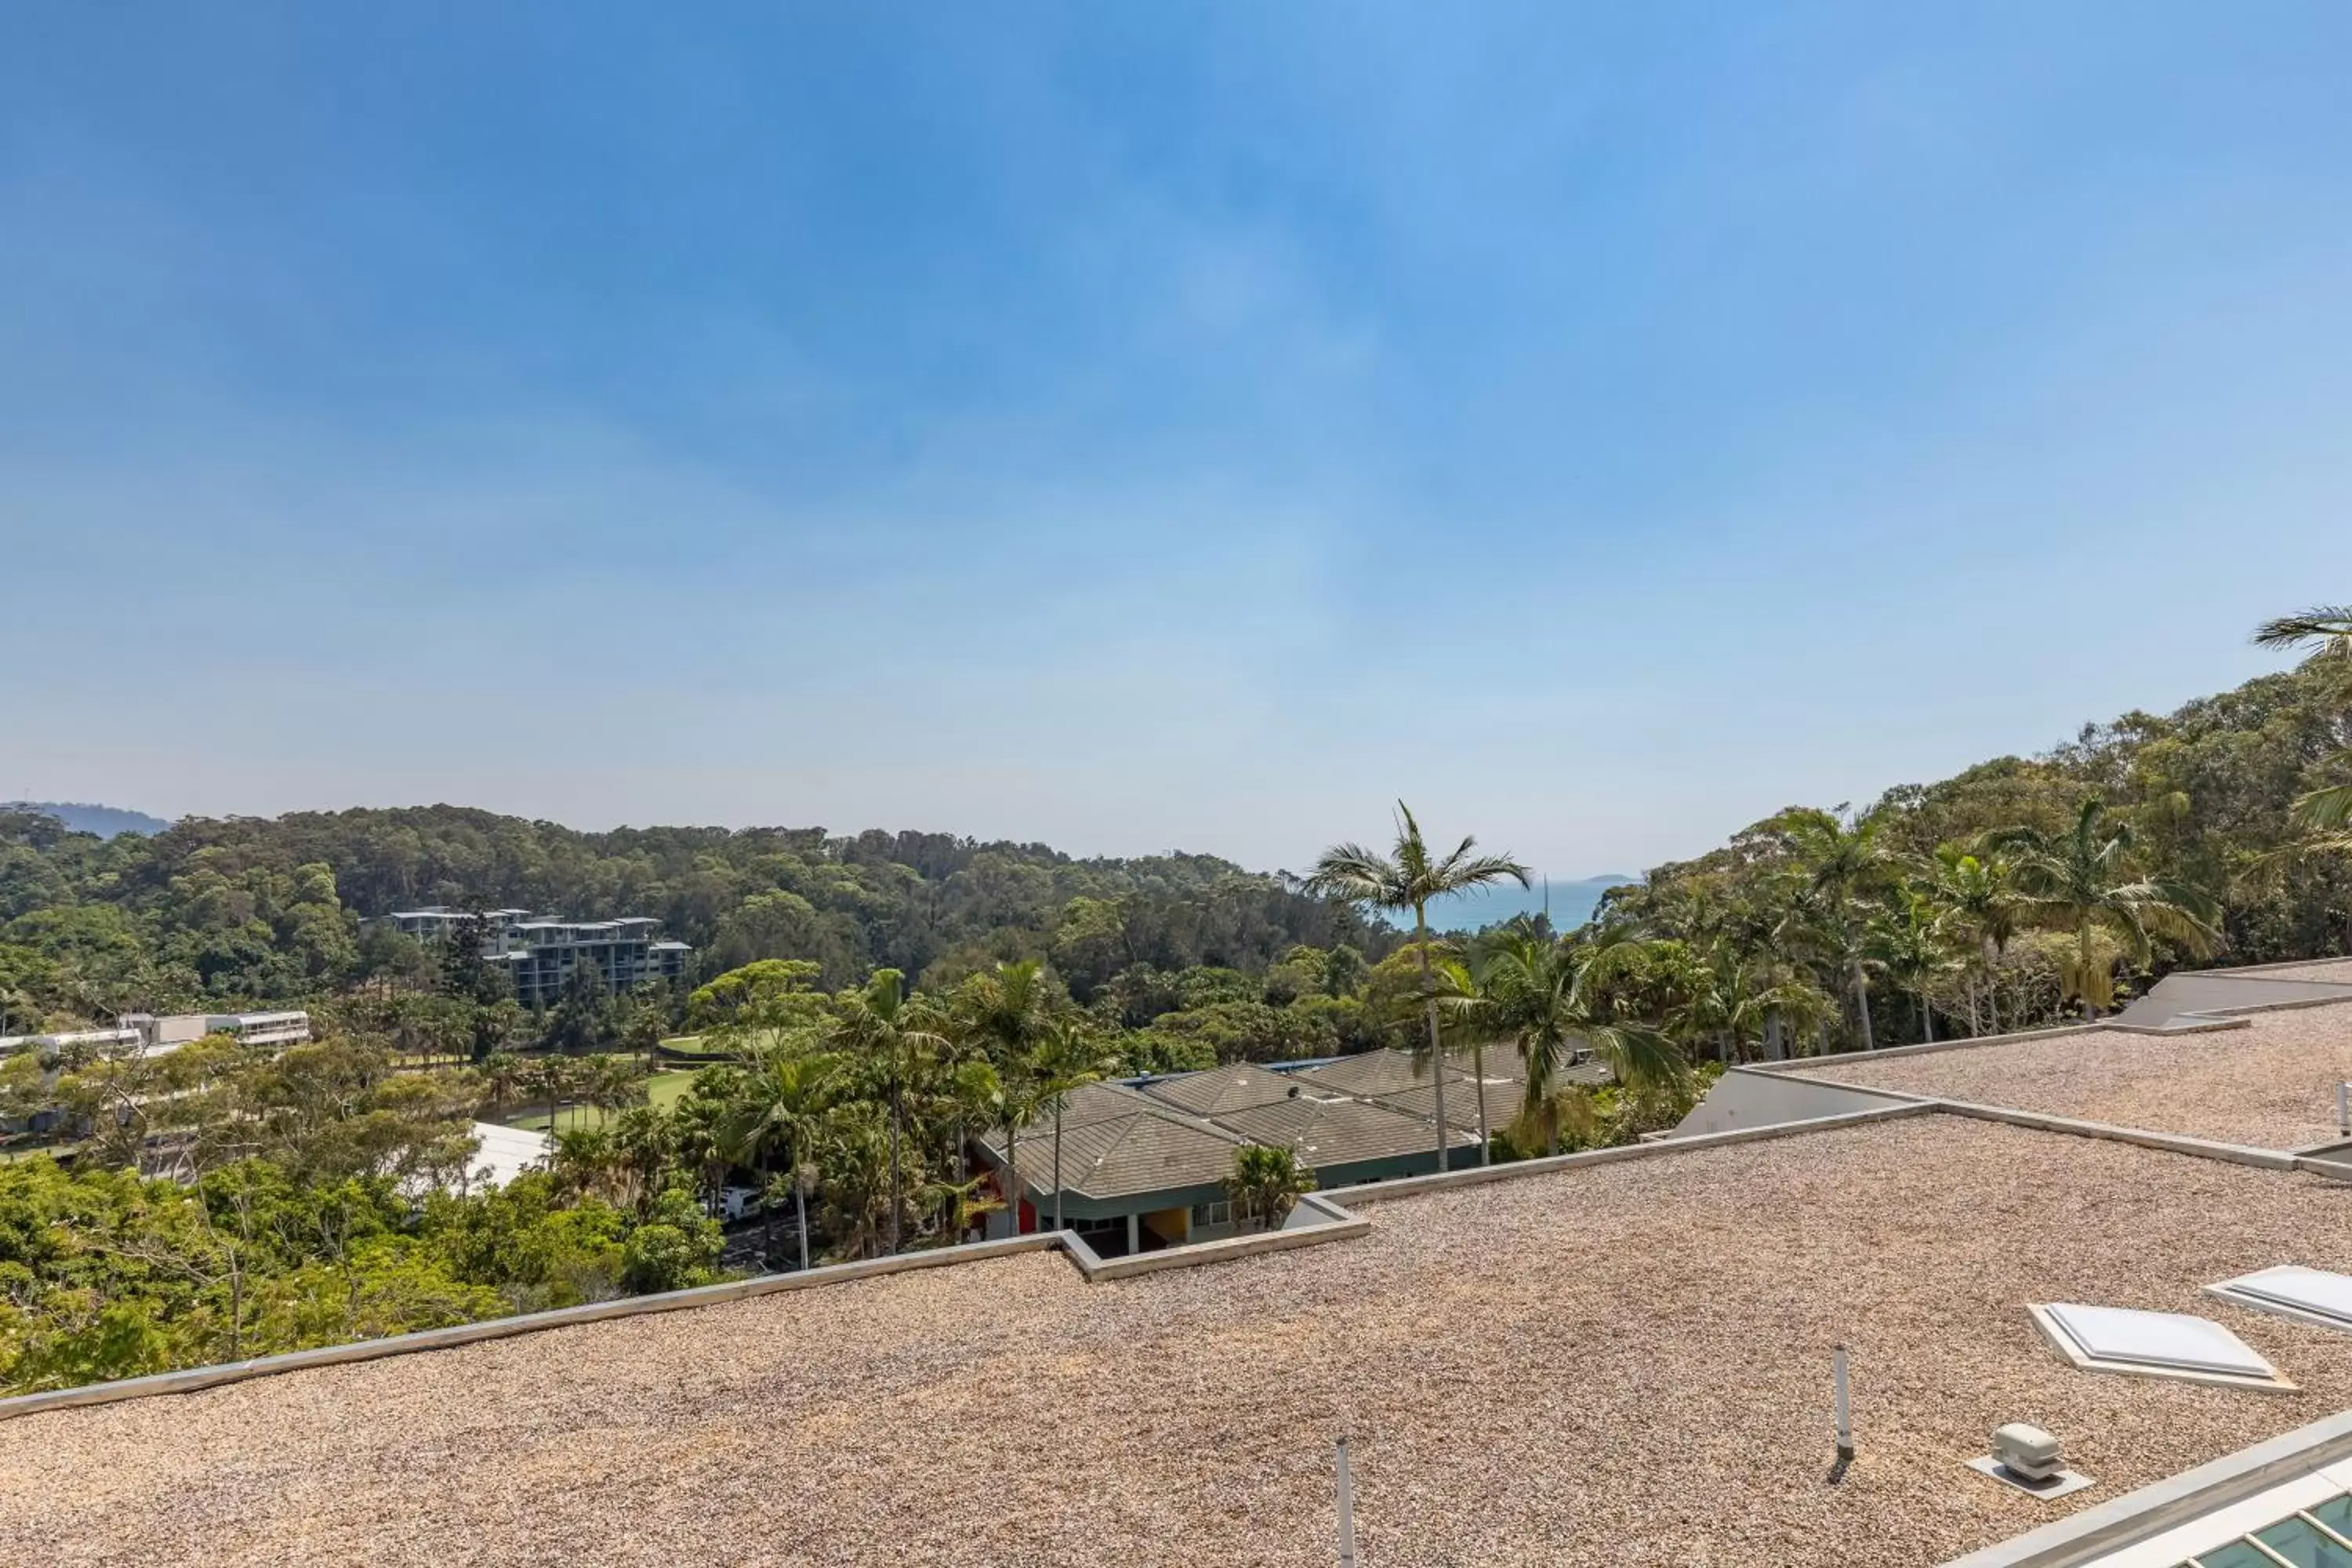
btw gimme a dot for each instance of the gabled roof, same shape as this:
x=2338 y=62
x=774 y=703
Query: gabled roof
x=1220 y=1089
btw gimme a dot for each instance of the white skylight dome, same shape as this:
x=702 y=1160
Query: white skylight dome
x=2154 y=1344
x=2291 y=1291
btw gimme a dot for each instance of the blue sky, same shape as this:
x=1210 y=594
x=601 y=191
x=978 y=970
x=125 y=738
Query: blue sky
x=1148 y=426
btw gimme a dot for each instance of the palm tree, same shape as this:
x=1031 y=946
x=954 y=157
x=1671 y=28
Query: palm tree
x=959 y=1205
x=613 y=1085
x=1845 y=862
x=2083 y=882
x=503 y=1070
x=1542 y=997
x=880 y=1023
x=1068 y=1057
x=1005 y=1013
x=1267 y=1183
x=1975 y=904
x=780 y=1110
x=1013 y=1105
x=855 y=1150
x=2327 y=629
x=1910 y=948
x=1408 y=879
x=551 y=1077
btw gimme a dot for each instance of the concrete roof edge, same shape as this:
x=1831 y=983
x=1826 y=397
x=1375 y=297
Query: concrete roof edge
x=1803 y=1065
x=2169 y=1143
x=1410 y=1186
x=1334 y=1224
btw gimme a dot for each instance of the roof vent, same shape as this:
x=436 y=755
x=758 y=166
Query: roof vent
x=2029 y=1459
x=2154 y=1344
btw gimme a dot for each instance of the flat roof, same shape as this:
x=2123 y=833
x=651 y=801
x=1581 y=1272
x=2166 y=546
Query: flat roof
x=2335 y=971
x=1625 y=1361
x=2271 y=1085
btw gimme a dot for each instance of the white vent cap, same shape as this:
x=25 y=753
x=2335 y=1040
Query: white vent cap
x=2027 y=1450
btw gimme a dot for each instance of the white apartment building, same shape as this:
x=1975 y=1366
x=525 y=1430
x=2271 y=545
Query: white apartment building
x=540 y=955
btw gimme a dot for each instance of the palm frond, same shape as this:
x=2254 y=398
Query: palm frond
x=2330 y=625
x=2326 y=808
x=1353 y=874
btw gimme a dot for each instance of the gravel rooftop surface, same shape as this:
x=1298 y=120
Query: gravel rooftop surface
x=2271 y=1085
x=1624 y=1364
x=2338 y=971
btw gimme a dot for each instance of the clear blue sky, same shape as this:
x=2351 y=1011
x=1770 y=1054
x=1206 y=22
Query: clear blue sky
x=1139 y=427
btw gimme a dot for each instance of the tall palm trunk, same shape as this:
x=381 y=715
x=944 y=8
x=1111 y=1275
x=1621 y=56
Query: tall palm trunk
x=1012 y=1176
x=1429 y=1011
x=894 y=1151
x=1927 y=1018
x=767 y=1209
x=1478 y=1067
x=2082 y=957
x=1862 y=1006
x=800 y=1205
x=1057 y=1166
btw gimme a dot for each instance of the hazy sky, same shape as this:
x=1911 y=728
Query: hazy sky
x=1151 y=426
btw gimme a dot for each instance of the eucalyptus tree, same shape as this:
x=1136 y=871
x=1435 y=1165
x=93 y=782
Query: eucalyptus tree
x=881 y=1023
x=2085 y=882
x=1408 y=878
x=780 y=1107
x=1543 y=997
x=1068 y=1057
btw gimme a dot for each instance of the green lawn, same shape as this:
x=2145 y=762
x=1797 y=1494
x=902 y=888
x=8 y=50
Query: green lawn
x=663 y=1089
x=692 y=1045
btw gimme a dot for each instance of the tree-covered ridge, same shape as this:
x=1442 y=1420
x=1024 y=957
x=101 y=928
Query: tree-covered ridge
x=2022 y=886
x=252 y=910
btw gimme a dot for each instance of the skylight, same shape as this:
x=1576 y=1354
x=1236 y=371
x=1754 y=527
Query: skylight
x=2291 y=1291
x=2162 y=1344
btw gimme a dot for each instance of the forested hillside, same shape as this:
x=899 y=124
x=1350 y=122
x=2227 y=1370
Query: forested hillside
x=248 y=910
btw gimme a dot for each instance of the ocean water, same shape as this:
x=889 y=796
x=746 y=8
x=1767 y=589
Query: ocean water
x=1571 y=904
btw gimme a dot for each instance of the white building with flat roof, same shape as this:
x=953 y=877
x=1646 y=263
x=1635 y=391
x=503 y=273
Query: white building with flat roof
x=540 y=955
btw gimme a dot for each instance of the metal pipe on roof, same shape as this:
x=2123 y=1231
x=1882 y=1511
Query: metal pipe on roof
x=1844 y=1406
x=1347 y=1506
